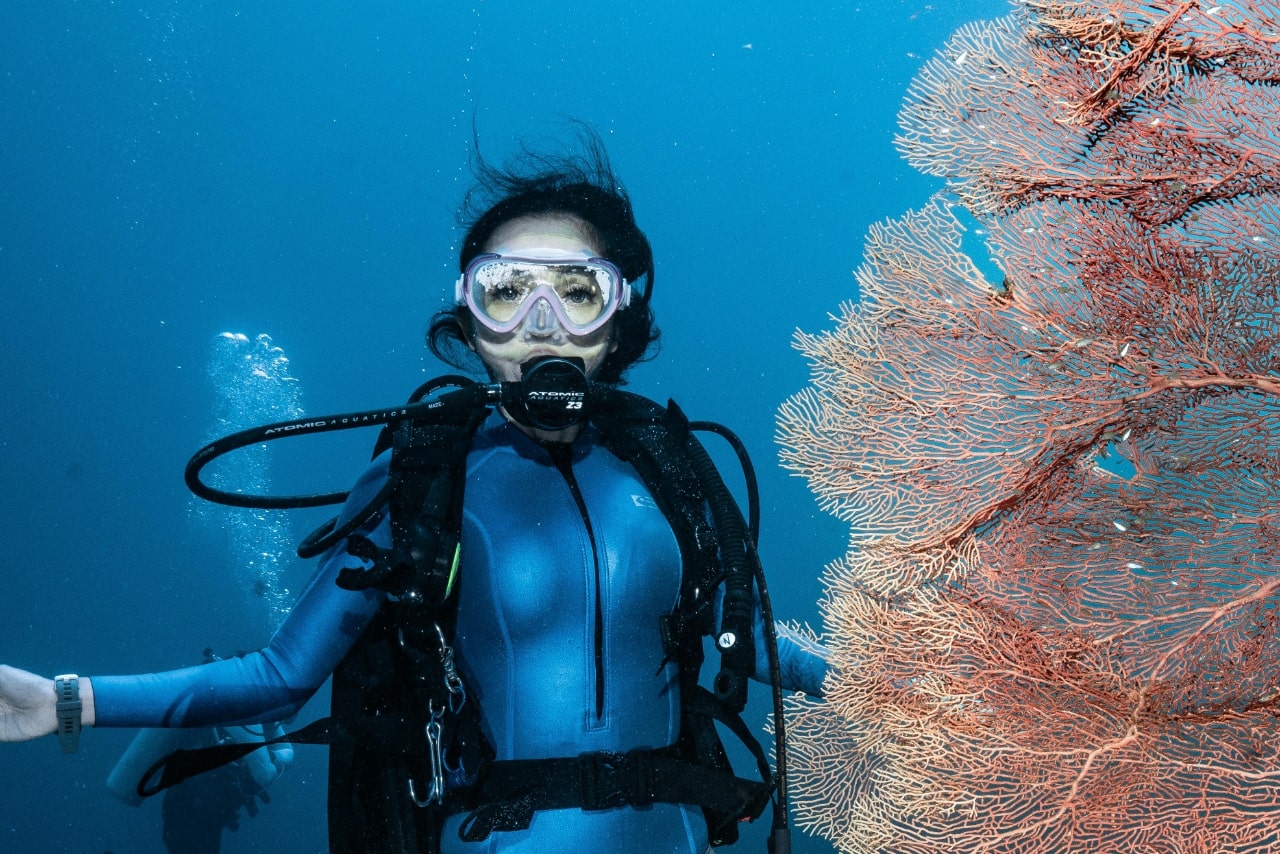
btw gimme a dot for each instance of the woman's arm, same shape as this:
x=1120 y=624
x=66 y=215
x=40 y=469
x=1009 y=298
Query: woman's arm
x=266 y=685
x=802 y=660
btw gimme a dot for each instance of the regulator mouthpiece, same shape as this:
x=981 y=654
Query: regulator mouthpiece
x=551 y=394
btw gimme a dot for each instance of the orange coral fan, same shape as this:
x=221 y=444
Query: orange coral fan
x=1057 y=630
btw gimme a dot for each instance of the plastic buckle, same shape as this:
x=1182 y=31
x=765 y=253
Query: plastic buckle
x=610 y=779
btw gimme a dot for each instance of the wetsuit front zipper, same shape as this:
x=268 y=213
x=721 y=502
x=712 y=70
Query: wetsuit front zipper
x=562 y=455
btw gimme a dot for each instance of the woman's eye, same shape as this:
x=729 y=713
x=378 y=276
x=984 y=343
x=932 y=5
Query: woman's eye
x=578 y=289
x=506 y=293
x=580 y=294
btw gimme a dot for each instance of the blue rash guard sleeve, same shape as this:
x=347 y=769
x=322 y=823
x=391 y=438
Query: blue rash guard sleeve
x=803 y=661
x=275 y=682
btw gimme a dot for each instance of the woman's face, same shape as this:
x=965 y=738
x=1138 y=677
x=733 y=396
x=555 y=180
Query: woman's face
x=540 y=333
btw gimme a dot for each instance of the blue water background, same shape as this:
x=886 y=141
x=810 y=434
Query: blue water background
x=174 y=169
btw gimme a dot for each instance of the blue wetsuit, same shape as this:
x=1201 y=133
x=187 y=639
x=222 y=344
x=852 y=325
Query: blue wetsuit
x=557 y=635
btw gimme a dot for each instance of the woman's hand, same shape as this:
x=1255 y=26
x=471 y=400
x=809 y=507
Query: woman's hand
x=28 y=705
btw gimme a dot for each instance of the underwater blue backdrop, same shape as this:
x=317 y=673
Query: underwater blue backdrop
x=173 y=169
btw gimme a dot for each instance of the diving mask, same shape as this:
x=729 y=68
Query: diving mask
x=583 y=292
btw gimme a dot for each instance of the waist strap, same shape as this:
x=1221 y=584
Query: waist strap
x=510 y=791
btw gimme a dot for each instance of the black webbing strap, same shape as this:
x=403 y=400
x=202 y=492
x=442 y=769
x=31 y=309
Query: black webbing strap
x=700 y=701
x=386 y=733
x=510 y=791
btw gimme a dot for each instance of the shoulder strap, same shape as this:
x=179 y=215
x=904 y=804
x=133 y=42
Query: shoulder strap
x=427 y=473
x=712 y=534
x=654 y=441
x=716 y=549
x=399 y=667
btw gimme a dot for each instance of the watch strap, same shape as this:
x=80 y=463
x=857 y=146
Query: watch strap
x=69 y=709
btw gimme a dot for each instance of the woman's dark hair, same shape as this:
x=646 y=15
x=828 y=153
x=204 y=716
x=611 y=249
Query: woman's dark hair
x=582 y=186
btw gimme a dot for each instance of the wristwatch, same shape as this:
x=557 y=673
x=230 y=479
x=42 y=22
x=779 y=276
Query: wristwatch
x=69 y=709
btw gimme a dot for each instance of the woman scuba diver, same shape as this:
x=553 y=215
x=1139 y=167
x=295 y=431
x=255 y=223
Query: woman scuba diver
x=515 y=603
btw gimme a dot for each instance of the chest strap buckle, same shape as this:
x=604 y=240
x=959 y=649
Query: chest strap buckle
x=610 y=779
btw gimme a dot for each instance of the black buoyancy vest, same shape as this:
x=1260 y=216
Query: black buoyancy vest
x=396 y=675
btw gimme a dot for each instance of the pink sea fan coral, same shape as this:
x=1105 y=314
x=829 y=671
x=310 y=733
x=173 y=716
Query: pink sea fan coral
x=1057 y=627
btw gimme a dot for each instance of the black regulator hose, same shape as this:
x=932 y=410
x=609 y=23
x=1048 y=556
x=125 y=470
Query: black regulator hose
x=469 y=395
x=748 y=472
x=551 y=395
x=780 y=840
x=738 y=550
